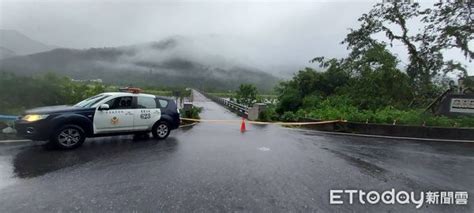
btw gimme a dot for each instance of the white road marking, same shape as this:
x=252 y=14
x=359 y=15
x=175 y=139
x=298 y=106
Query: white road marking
x=14 y=141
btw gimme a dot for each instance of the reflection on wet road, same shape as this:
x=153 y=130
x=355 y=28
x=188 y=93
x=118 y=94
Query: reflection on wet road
x=214 y=167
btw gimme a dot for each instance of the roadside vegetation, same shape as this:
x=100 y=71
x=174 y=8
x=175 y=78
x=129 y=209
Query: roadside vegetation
x=370 y=84
x=19 y=93
x=246 y=94
x=192 y=113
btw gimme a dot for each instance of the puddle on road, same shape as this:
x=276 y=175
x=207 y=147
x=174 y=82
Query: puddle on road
x=36 y=161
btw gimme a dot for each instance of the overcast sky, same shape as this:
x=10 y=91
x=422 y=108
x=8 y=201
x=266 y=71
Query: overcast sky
x=276 y=35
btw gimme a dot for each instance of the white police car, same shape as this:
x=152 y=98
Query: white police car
x=111 y=113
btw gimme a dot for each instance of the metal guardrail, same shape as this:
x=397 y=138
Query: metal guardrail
x=8 y=117
x=240 y=109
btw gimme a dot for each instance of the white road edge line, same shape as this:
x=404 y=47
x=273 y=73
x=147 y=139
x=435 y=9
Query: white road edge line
x=384 y=136
x=14 y=141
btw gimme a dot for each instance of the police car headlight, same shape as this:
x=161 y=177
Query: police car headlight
x=34 y=117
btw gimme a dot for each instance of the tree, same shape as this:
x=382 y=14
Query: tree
x=247 y=94
x=309 y=82
x=289 y=98
x=373 y=81
x=448 y=25
x=452 y=23
x=378 y=82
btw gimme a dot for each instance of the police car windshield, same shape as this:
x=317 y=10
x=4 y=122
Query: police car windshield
x=91 y=101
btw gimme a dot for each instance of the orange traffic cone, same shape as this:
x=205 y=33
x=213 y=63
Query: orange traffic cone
x=242 y=126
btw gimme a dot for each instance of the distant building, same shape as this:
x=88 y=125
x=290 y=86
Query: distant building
x=96 y=80
x=91 y=80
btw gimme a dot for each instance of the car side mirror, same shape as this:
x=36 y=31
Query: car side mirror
x=104 y=107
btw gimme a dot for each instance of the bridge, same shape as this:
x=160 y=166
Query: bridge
x=213 y=167
x=239 y=109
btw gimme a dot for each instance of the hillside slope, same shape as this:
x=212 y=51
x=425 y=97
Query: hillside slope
x=171 y=62
x=6 y=53
x=21 y=44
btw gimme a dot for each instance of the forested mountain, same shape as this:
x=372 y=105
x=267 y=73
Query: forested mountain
x=6 y=53
x=16 y=43
x=170 y=62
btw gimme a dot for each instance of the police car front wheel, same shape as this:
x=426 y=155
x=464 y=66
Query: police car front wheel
x=68 y=137
x=161 y=130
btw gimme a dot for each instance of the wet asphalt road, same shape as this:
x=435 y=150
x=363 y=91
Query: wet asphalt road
x=214 y=168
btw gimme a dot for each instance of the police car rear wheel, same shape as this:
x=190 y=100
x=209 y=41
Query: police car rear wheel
x=68 y=137
x=161 y=130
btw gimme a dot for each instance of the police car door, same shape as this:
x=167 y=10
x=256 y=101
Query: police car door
x=118 y=118
x=147 y=113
